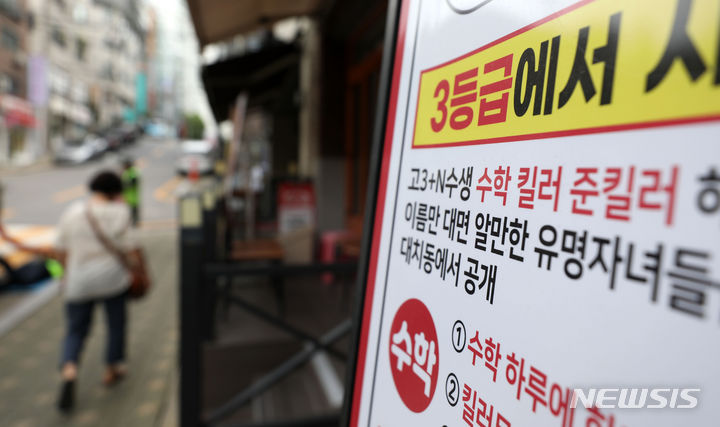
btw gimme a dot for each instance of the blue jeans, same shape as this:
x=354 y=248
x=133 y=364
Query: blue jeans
x=79 y=319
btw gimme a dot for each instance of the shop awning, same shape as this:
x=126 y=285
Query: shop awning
x=218 y=20
x=16 y=111
x=264 y=75
x=75 y=112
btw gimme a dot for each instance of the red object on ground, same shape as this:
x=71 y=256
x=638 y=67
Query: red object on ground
x=193 y=173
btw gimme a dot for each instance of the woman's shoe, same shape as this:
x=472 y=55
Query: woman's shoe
x=113 y=376
x=66 y=401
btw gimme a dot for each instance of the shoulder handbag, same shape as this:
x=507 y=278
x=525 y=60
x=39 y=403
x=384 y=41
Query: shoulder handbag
x=139 y=277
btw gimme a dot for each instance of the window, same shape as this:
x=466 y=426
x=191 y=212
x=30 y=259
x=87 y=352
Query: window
x=10 y=40
x=80 y=49
x=10 y=8
x=80 y=14
x=8 y=84
x=107 y=72
x=58 y=37
x=10 y=4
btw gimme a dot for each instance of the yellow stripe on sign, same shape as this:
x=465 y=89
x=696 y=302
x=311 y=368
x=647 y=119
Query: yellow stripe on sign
x=596 y=66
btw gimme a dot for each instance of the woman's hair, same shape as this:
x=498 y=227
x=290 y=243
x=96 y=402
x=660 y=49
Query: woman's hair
x=107 y=183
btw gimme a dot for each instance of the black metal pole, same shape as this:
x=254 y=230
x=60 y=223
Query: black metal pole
x=209 y=288
x=191 y=247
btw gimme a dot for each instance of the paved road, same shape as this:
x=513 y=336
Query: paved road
x=39 y=195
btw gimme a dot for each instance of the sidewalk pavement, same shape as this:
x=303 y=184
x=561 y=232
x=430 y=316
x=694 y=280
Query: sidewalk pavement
x=29 y=381
x=40 y=164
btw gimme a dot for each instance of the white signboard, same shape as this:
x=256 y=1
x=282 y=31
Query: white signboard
x=546 y=245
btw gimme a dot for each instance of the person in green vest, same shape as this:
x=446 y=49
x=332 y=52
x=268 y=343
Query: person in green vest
x=131 y=189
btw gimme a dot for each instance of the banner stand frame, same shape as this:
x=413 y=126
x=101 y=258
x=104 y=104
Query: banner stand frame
x=378 y=145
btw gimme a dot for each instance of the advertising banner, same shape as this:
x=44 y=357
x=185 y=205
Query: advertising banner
x=545 y=244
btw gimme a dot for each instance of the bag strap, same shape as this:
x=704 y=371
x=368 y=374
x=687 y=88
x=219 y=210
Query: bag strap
x=117 y=253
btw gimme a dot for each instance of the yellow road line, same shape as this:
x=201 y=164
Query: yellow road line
x=141 y=163
x=28 y=232
x=69 y=194
x=165 y=193
x=7 y=213
x=163 y=149
x=158 y=151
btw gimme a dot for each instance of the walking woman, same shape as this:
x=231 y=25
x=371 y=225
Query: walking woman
x=94 y=274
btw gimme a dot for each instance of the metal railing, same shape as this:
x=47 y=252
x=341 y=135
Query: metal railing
x=201 y=269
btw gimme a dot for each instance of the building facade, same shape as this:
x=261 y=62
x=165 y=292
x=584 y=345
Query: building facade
x=17 y=116
x=94 y=54
x=13 y=47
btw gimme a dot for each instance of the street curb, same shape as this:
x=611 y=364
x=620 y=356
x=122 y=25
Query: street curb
x=40 y=165
x=169 y=410
x=28 y=306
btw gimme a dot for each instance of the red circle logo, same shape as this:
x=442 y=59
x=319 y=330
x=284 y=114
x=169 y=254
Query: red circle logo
x=414 y=356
